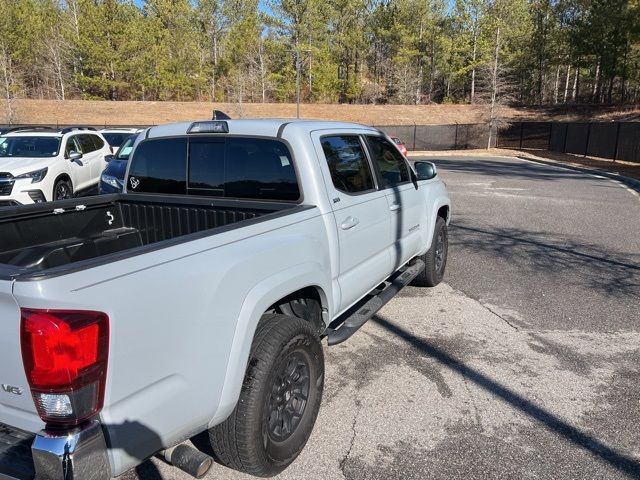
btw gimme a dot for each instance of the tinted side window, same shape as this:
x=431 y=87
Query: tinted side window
x=72 y=146
x=392 y=166
x=97 y=141
x=86 y=143
x=159 y=166
x=350 y=171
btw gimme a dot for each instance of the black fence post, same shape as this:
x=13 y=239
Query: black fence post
x=549 y=139
x=566 y=134
x=521 y=134
x=455 y=142
x=615 y=150
x=586 y=147
x=415 y=128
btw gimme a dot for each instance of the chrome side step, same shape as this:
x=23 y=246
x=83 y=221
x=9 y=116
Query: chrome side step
x=354 y=321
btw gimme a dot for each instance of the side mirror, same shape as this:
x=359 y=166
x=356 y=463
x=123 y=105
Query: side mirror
x=425 y=170
x=74 y=156
x=108 y=158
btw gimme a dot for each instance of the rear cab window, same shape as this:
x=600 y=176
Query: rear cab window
x=215 y=166
x=159 y=166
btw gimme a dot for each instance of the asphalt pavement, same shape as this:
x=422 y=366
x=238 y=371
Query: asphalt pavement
x=524 y=364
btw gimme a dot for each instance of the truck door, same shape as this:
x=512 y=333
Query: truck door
x=404 y=200
x=360 y=211
x=16 y=404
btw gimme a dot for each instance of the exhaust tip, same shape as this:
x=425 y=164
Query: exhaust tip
x=189 y=460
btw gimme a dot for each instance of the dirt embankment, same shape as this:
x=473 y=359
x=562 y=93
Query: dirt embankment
x=85 y=112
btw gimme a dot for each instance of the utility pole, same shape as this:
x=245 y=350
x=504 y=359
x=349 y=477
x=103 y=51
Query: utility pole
x=297 y=81
x=298 y=75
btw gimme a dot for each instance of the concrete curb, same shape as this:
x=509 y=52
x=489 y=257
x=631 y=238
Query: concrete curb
x=628 y=181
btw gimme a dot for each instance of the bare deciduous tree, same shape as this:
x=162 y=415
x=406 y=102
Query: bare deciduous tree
x=10 y=85
x=407 y=83
x=495 y=92
x=57 y=59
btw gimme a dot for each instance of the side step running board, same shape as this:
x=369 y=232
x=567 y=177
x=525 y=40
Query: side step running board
x=356 y=320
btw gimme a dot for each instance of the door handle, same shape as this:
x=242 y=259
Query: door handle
x=394 y=207
x=349 y=223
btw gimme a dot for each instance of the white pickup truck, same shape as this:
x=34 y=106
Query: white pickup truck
x=198 y=299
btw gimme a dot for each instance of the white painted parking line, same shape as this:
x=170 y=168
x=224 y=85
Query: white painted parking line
x=595 y=175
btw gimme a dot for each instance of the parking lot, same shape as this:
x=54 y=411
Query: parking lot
x=523 y=364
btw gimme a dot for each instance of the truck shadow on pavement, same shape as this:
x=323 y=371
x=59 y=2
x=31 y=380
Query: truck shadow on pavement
x=619 y=461
x=137 y=440
x=614 y=274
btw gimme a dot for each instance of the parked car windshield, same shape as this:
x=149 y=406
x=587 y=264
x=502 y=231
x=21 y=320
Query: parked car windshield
x=31 y=146
x=125 y=149
x=115 y=139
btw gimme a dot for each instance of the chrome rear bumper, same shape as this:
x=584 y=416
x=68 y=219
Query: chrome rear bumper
x=76 y=454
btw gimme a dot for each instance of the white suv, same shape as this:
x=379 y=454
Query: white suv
x=42 y=164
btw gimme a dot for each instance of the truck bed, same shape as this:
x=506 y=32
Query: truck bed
x=37 y=238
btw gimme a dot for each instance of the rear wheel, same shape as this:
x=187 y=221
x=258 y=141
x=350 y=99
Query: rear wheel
x=279 y=401
x=62 y=190
x=435 y=260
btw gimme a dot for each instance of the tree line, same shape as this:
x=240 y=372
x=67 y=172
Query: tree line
x=356 y=51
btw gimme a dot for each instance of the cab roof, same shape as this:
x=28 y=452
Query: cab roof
x=256 y=127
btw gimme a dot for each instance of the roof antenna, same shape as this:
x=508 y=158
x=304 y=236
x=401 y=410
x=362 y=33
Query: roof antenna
x=219 y=115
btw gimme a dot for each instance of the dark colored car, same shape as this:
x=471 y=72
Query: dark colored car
x=112 y=178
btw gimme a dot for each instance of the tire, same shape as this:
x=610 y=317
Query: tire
x=435 y=260
x=62 y=190
x=254 y=439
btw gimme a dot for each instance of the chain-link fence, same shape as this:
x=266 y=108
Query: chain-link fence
x=415 y=137
x=440 y=137
x=611 y=140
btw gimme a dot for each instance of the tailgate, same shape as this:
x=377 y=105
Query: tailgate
x=16 y=405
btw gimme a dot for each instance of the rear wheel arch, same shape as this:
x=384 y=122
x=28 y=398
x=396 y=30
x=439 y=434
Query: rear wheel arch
x=263 y=299
x=307 y=303
x=260 y=437
x=443 y=212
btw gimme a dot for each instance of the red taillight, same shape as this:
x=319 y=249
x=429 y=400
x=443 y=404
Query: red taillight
x=65 y=358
